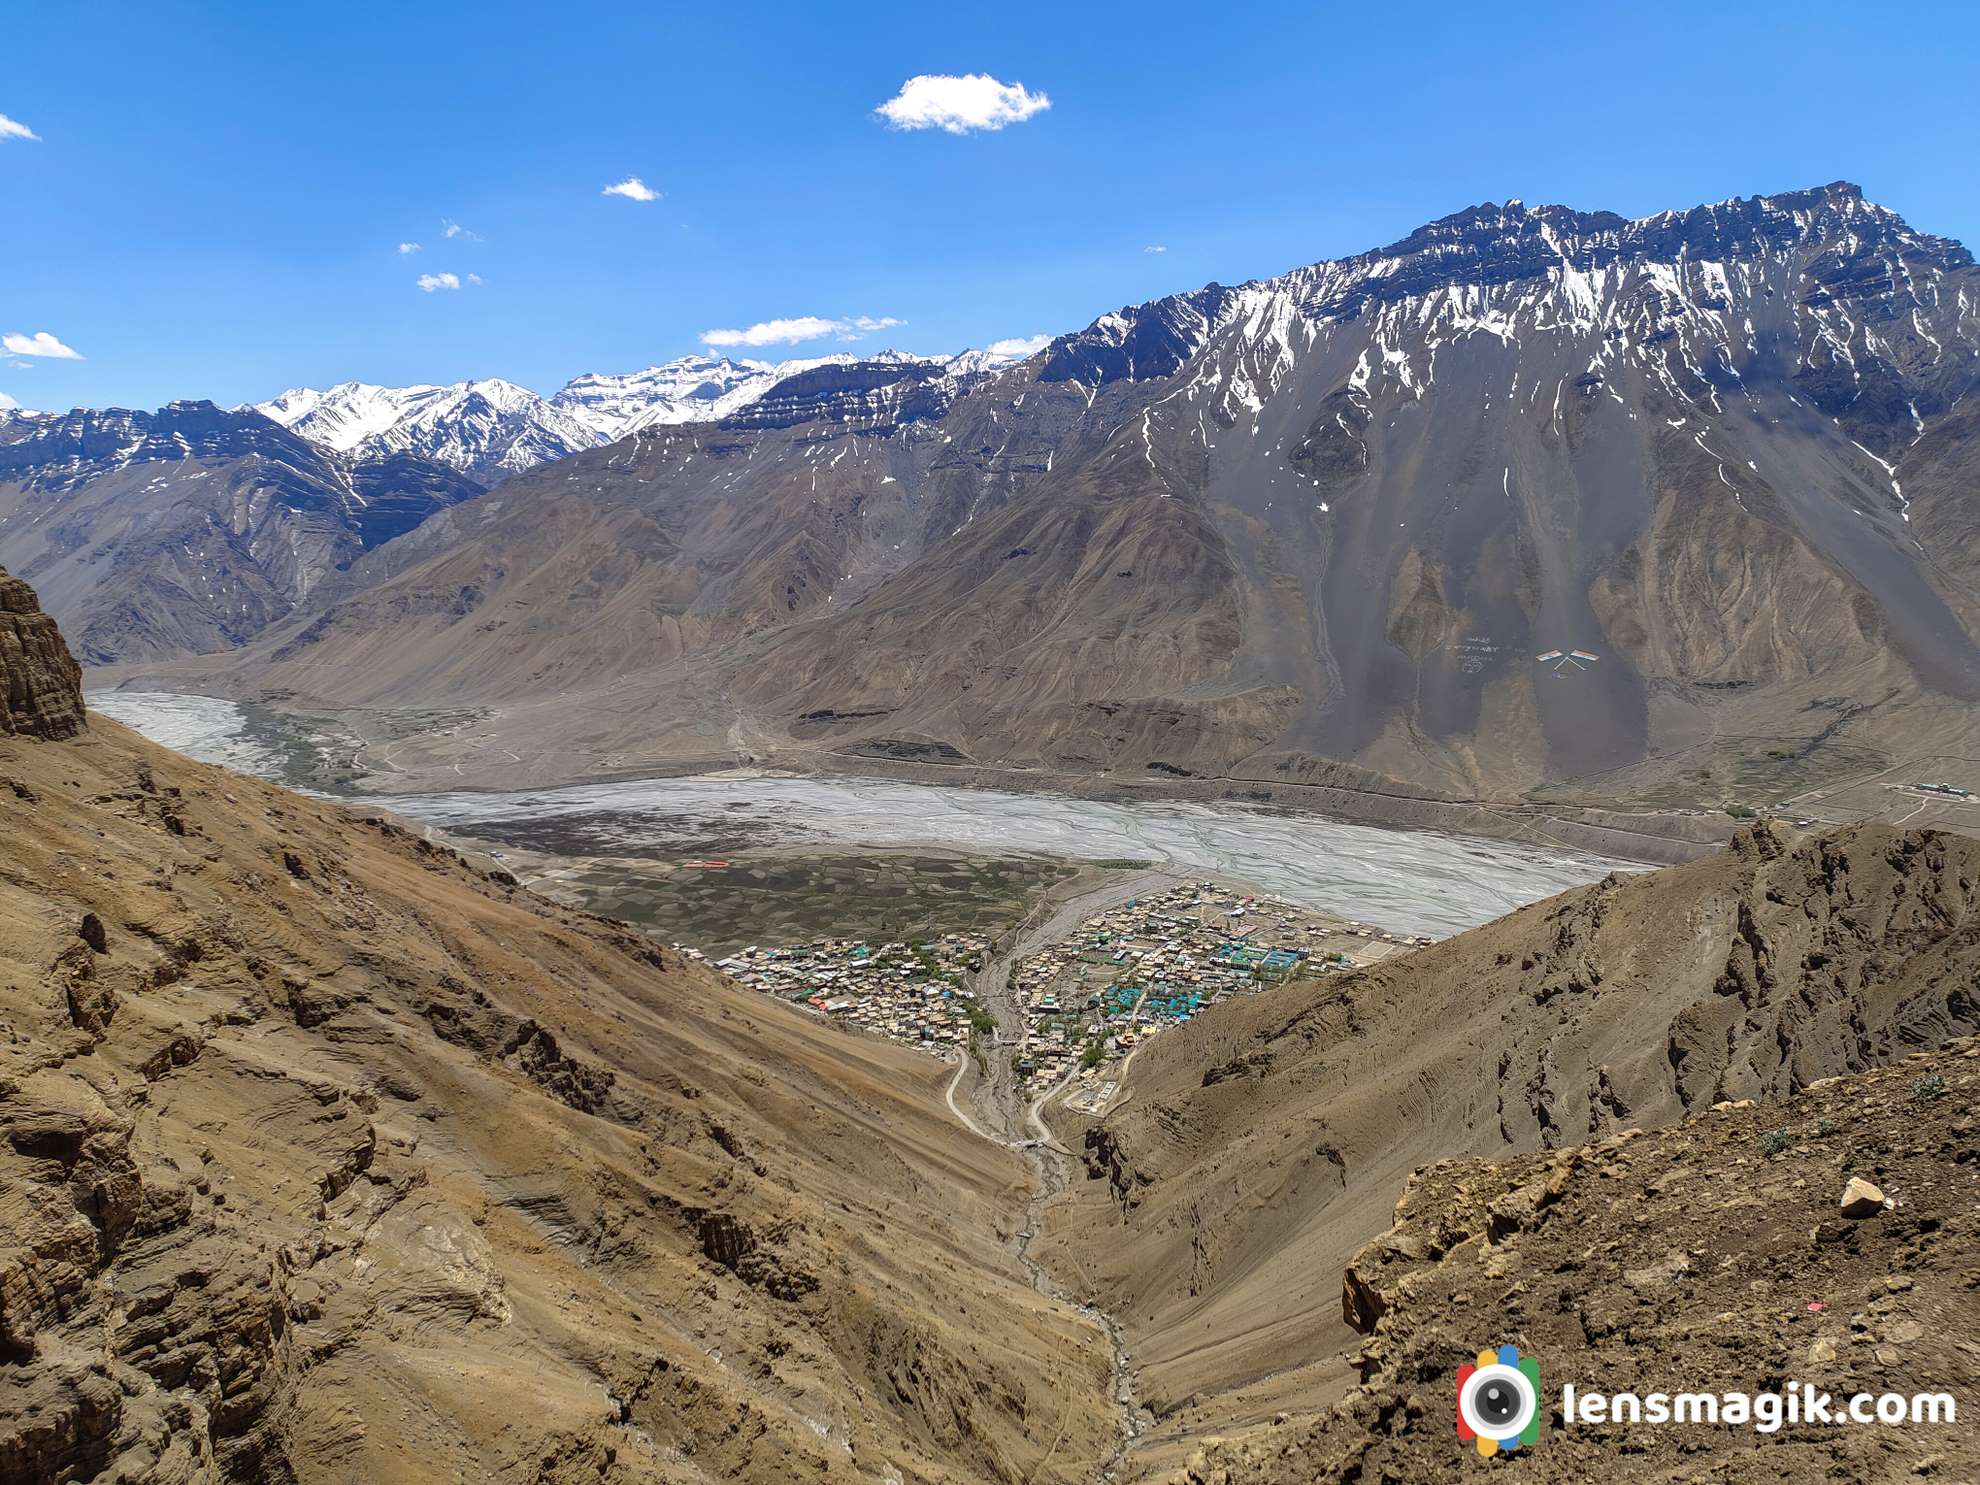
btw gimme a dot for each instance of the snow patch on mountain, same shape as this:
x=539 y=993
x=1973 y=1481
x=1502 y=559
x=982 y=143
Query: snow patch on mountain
x=487 y=429
x=493 y=429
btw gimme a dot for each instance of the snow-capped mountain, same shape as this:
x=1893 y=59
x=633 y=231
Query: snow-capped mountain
x=690 y=389
x=192 y=528
x=1533 y=496
x=488 y=429
x=1696 y=301
x=493 y=429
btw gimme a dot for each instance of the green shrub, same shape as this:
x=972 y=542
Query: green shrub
x=1928 y=1088
x=1774 y=1141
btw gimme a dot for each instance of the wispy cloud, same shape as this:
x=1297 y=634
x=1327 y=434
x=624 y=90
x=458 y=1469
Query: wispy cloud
x=1025 y=345
x=800 y=328
x=408 y=247
x=15 y=129
x=1156 y=247
x=451 y=228
x=428 y=282
x=960 y=105
x=7 y=404
x=41 y=343
x=476 y=279
x=633 y=189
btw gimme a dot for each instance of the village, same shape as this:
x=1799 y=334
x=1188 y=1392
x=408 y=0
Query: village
x=913 y=993
x=1127 y=974
x=1121 y=977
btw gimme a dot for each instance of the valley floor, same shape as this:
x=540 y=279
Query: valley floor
x=1668 y=809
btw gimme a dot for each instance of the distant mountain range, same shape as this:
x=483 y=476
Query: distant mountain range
x=1532 y=499
x=492 y=429
x=487 y=430
x=192 y=529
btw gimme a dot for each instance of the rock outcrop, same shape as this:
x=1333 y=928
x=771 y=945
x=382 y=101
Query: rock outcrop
x=40 y=682
x=1707 y=1258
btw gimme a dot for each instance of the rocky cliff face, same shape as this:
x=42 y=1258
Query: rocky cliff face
x=40 y=682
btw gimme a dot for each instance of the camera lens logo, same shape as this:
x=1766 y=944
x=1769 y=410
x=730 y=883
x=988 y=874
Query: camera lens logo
x=1498 y=1400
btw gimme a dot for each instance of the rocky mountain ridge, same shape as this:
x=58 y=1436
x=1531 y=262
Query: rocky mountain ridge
x=487 y=430
x=1714 y=1256
x=1531 y=499
x=192 y=528
x=688 y=389
x=491 y=430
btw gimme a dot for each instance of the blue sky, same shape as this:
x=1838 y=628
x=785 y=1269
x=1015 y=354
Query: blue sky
x=214 y=199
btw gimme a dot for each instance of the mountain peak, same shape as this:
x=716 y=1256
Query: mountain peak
x=487 y=429
x=1824 y=234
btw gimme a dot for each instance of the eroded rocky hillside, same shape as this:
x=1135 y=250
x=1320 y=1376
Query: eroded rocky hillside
x=326 y=1156
x=1715 y=1256
x=1252 y=1153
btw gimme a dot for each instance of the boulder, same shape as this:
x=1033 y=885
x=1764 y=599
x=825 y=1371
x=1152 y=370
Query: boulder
x=1861 y=1199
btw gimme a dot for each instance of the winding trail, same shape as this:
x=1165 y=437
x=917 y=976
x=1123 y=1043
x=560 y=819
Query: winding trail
x=1020 y=1125
x=962 y=1066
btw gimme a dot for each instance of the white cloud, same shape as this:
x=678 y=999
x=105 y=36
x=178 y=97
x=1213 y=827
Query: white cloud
x=476 y=279
x=451 y=228
x=960 y=104
x=15 y=129
x=41 y=343
x=803 y=327
x=408 y=247
x=633 y=189
x=428 y=282
x=1156 y=247
x=1025 y=345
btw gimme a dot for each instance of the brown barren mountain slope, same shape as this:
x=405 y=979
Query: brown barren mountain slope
x=1636 y=511
x=1253 y=1151
x=326 y=1157
x=1712 y=1257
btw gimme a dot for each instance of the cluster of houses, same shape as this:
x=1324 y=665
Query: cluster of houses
x=913 y=993
x=1154 y=962
x=1121 y=977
